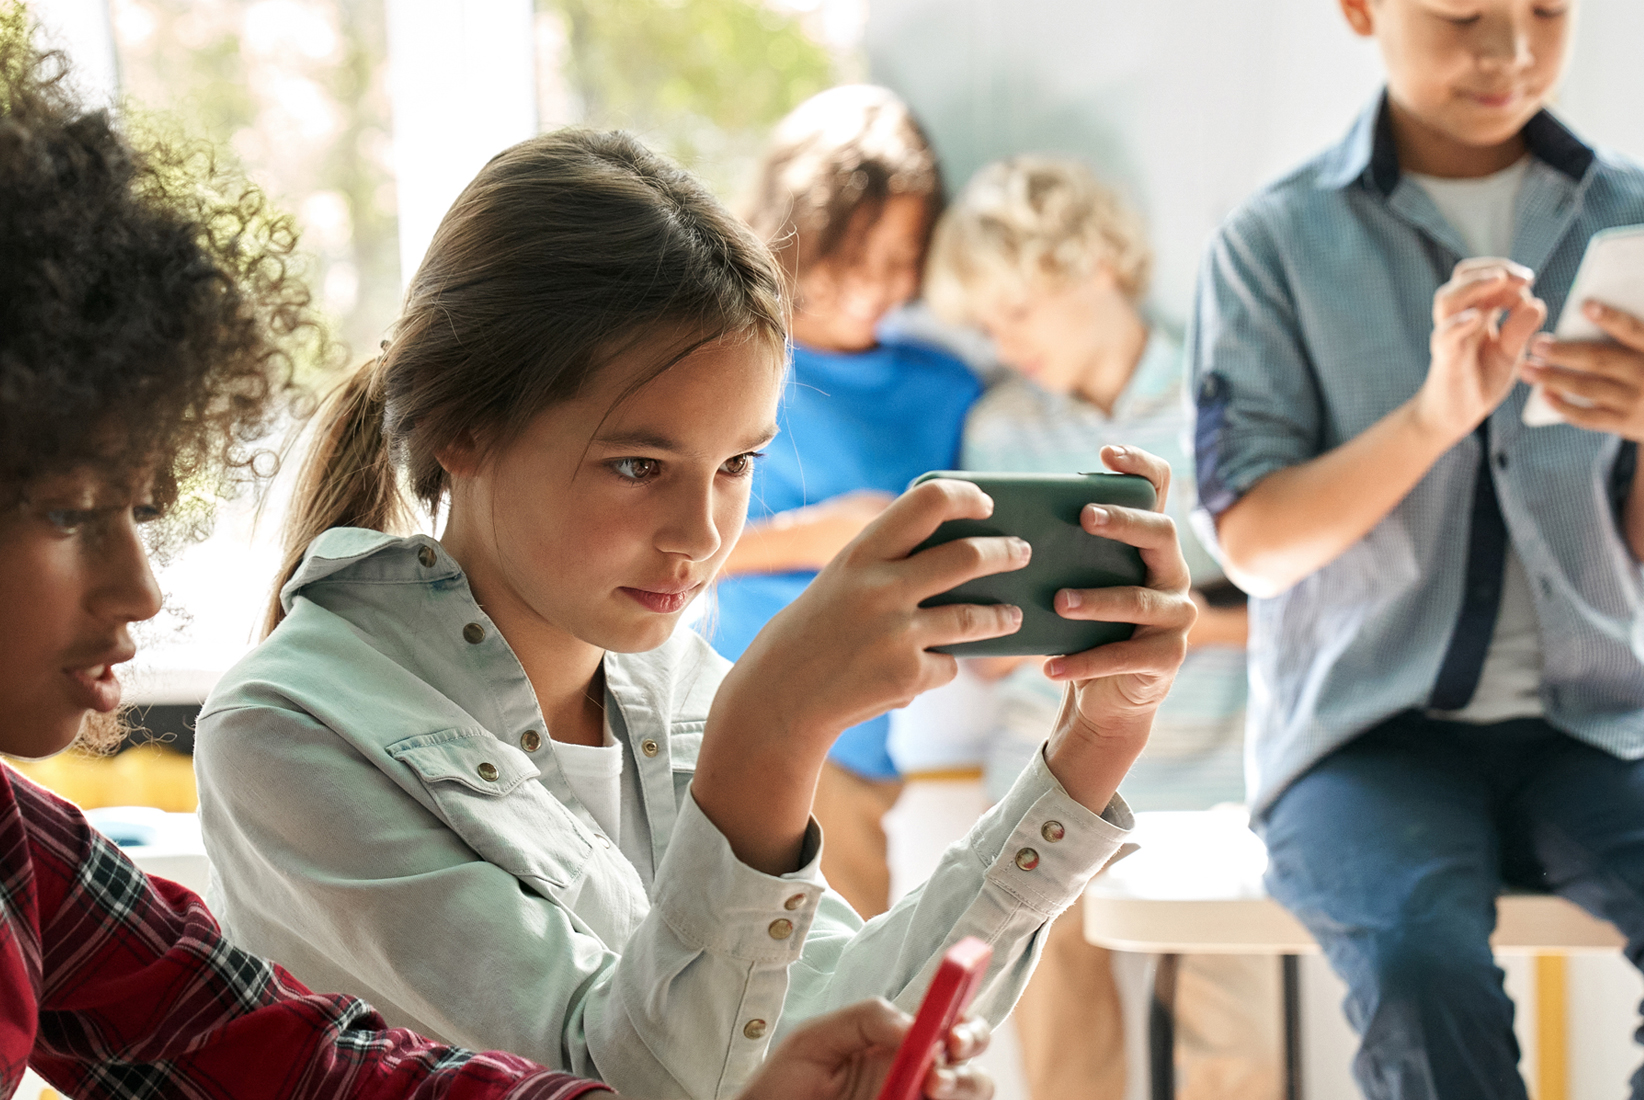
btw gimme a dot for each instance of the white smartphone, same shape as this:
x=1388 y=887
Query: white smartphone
x=1612 y=271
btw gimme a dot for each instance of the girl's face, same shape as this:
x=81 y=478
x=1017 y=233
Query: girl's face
x=843 y=298
x=608 y=515
x=76 y=576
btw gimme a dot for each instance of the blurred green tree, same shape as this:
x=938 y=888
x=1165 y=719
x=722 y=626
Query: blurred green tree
x=702 y=80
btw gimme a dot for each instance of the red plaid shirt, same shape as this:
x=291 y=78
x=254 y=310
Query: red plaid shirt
x=113 y=984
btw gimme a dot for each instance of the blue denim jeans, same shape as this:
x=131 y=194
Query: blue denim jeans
x=1392 y=850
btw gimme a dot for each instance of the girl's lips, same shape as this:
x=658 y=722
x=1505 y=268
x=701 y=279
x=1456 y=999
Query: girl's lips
x=97 y=688
x=663 y=603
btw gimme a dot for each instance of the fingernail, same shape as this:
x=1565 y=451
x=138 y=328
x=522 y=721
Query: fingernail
x=1014 y=614
x=1541 y=344
x=1053 y=668
x=1593 y=310
x=1020 y=549
x=1098 y=515
x=1072 y=597
x=1120 y=451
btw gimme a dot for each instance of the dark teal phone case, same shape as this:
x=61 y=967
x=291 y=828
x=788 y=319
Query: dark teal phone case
x=1044 y=509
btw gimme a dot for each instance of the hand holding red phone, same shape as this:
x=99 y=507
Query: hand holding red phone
x=873 y=1049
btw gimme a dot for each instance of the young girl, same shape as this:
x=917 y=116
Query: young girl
x=483 y=778
x=138 y=349
x=846 y=196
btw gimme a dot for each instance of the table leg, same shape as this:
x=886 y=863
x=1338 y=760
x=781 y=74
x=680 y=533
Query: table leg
x=1291 y=969
x=1161 y=1028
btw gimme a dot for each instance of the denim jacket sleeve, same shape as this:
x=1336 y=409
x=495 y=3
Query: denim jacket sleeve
x=445 y=940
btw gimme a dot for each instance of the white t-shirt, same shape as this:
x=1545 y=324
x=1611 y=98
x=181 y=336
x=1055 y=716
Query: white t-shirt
x=1482 y=210
x=595 y=775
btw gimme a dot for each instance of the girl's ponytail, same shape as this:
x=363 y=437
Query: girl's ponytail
x=347 y=478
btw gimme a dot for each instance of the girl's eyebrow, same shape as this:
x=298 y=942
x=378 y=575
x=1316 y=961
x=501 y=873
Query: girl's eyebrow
x=650 y=441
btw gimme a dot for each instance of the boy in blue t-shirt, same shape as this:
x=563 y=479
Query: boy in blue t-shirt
x=846 y=196
x=1447 y=660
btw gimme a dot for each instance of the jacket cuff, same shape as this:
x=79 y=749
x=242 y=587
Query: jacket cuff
x=716 y=903
x=1041 y=846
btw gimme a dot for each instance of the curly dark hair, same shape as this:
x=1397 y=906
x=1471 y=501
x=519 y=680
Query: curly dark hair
x=150 y=308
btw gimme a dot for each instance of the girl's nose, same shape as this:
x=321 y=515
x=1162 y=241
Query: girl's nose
x=691 y=529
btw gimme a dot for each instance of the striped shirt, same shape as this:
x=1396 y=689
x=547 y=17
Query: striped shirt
x=1312 y=319
x=1194 y=757
x=115 y=985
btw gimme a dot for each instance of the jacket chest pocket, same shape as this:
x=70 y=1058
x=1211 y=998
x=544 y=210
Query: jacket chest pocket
x=684 y=746
x=485 y=791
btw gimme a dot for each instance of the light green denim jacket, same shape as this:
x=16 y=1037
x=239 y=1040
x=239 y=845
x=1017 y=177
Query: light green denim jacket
x=384 y=817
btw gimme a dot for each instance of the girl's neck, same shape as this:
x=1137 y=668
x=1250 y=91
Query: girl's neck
x=1113 y=359
x=566 y=673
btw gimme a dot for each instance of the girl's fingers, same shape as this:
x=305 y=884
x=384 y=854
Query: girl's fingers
x=951 y=564
x=1153 y=533
x=950 y=624
x=1134 y=460
x=915 y=515
x=1147 y=654
x=1496 y=286
x=1126 y=604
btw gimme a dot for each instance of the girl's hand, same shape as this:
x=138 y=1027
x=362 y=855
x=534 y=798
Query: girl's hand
x=846 y=1054
x=1606 y=379
x=1475 y=354
x=1114 y=689
x=854 y=644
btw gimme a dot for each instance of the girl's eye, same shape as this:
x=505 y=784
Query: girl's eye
x=636 y=469
x=742 y=465
x=144 y=513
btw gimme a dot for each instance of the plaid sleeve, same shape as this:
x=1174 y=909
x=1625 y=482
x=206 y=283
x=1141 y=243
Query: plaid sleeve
x=141 y=996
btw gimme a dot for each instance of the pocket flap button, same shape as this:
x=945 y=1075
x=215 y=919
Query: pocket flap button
x=488 y=772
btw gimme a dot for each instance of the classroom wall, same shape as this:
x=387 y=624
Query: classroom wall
x=1187 y=104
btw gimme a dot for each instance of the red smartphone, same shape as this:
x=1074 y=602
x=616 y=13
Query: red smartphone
x=946 y=999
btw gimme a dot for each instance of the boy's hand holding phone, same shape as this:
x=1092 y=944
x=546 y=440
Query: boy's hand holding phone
x=1483 y=319
x=1598 y=386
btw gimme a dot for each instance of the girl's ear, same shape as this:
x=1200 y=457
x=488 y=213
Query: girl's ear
x=461 y=457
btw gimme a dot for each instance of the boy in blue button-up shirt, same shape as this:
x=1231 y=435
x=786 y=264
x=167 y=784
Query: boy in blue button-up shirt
x=1447 y=654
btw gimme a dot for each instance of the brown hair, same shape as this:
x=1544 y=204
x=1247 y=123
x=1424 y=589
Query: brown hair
x=831 y=165
x=563 y=251
x=1030 y=221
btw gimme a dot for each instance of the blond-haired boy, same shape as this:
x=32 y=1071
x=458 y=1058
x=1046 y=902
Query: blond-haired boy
x=1053 y=265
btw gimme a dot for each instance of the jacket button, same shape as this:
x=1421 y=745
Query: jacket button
x=488 y=772
x=1053 y=831
x=530 y=740
x=1027 y=859
x=649 y=747
x=754 y=1029
x=781 y=928
x=794 y=902
x=473 y=634
x=427 y=556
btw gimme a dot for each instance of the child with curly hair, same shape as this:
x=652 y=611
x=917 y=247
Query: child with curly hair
x=148 y=317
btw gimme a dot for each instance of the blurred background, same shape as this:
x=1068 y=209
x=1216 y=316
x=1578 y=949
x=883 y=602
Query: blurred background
x=364 y=118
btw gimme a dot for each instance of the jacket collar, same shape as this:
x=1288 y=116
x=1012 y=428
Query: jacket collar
x=1368 y=154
